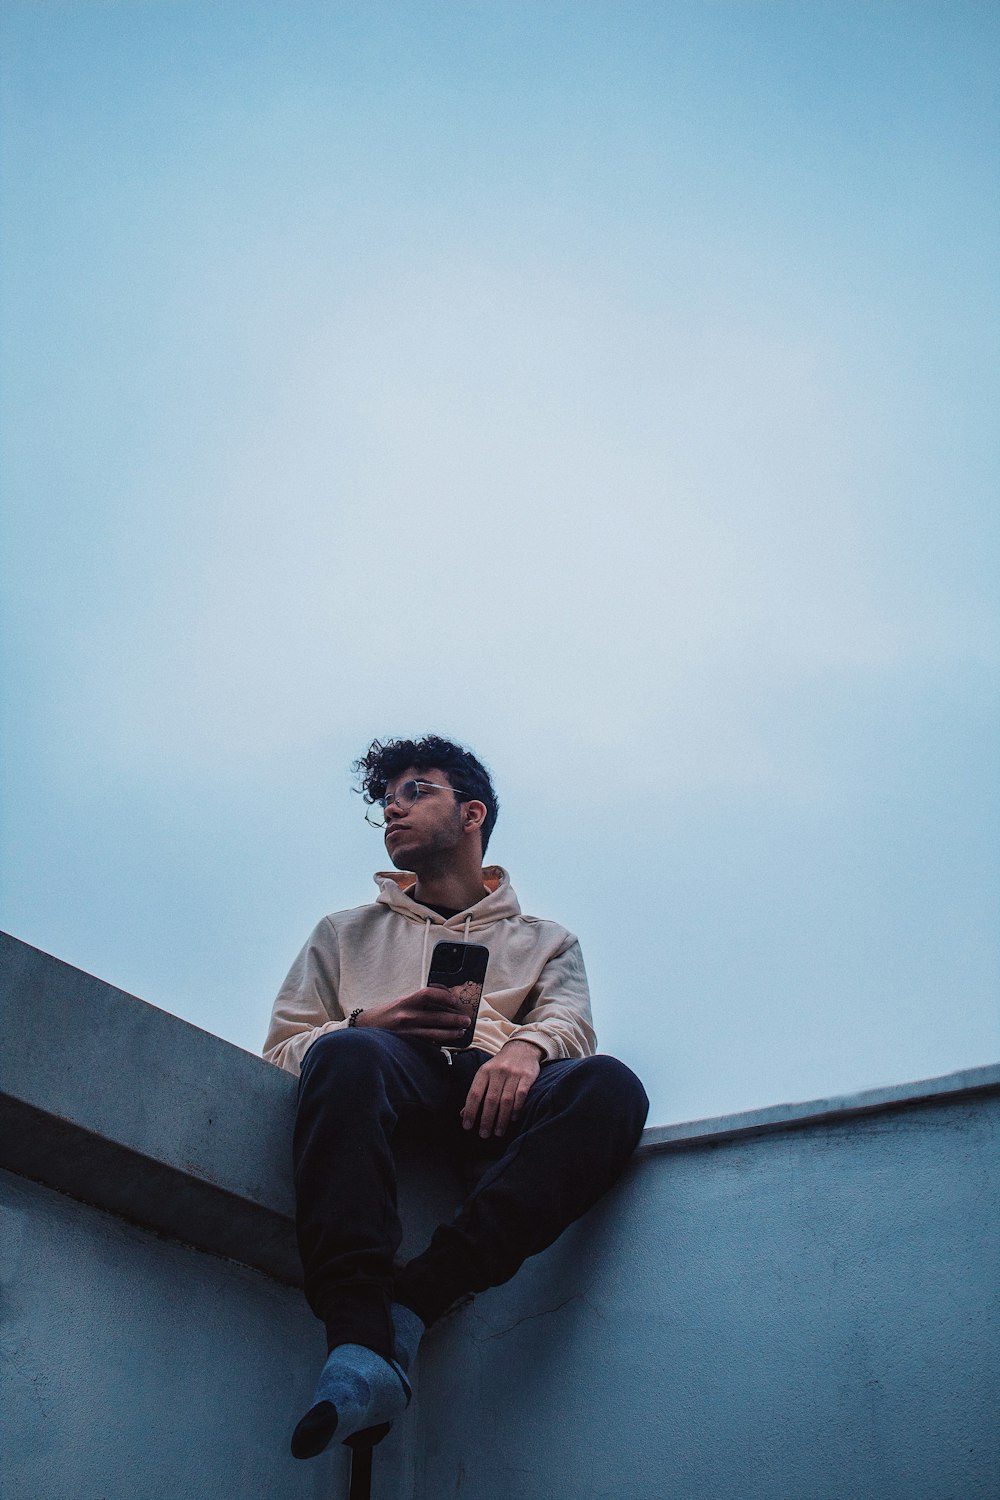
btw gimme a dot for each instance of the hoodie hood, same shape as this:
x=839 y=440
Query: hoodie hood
x=498 y=901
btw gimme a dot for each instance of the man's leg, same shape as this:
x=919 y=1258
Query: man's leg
x=581 y=1122
x=356 y=1086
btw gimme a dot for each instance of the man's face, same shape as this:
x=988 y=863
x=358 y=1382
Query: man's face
x=427 y=833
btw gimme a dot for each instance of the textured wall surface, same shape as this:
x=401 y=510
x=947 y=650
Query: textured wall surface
x=803 y=1316
x=135 y=1368
x=795 y=1304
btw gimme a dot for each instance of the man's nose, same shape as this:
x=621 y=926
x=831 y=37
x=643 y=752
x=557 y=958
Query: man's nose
x=392 y=810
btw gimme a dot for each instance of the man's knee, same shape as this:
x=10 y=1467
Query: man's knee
x=613 y=1090
x=350 y=1054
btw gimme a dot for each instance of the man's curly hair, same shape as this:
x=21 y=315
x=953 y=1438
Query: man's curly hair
x=465 y=772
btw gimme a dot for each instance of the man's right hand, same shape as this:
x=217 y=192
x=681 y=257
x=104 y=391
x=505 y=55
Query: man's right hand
x=432 y=1014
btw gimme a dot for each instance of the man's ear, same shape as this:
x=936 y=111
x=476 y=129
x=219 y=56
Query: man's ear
x=473 y=815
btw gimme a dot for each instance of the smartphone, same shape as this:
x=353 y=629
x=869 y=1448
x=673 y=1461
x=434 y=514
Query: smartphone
x=461 y=968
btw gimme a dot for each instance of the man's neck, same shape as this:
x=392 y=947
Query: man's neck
x=456 y=889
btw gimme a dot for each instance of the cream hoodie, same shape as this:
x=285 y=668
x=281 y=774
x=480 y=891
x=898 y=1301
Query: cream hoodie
x=536 y=986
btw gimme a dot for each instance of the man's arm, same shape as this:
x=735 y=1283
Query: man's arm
x=556 y=1016
x=308 y=1006
x=557 y=1023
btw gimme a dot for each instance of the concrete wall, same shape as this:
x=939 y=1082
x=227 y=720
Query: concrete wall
x=794 y=1304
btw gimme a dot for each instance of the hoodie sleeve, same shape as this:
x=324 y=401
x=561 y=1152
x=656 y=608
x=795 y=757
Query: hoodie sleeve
x=556 y=1015
x=307 y=1005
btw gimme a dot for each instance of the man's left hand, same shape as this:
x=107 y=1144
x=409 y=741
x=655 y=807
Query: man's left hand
x=500 y=1088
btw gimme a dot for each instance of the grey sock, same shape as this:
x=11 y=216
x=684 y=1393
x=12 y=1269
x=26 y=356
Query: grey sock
x=357 y=1389
x=408 y=1330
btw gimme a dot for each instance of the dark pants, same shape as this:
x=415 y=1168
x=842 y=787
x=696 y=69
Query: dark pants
x=579 y=1125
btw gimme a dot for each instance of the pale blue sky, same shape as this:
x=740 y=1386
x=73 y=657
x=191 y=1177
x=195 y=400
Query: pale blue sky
x=612 y=387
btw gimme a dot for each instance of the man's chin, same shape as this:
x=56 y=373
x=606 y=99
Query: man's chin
x=399 y=855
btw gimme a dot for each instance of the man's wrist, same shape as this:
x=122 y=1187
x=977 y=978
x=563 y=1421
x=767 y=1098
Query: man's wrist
x=526 y=1041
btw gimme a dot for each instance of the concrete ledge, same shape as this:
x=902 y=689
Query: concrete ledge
x=145 y=1191
x=128 y=1108
x=822 y=1276
x=845 y=1107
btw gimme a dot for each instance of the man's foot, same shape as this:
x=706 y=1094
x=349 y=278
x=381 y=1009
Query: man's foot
x=358 y=1391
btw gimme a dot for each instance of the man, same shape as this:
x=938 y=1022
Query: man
x=356 y=1019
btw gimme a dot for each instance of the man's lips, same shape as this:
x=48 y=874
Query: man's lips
x=394 y=829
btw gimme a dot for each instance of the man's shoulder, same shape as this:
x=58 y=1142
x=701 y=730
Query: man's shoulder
x=336 y=924
x=527 y=916
x=537 y=928
x=350 y=916
x=544 y=930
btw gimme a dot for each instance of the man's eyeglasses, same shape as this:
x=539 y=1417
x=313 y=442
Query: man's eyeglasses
x=405 y=795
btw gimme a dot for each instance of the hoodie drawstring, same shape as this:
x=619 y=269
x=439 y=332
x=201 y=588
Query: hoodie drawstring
x=422 y=976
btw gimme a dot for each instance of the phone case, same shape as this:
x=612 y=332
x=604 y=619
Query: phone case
x=461 y=968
